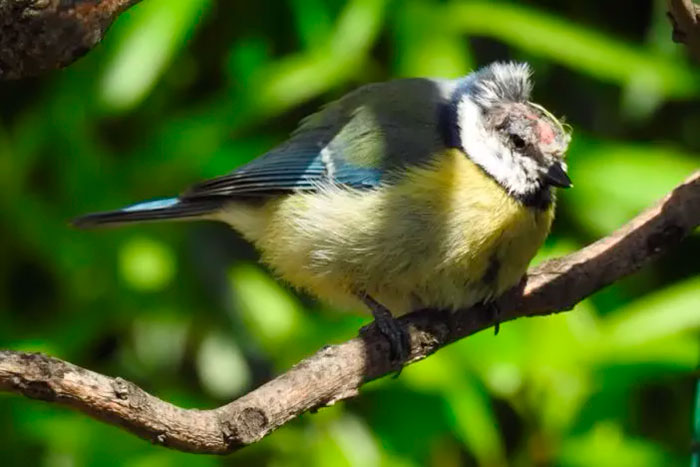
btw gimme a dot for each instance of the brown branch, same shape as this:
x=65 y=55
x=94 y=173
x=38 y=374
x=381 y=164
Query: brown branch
x=337 y=372
x=41 y=35
x=685 y=18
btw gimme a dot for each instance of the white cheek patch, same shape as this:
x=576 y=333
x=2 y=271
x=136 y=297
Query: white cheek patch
x=482 y=148
x=518 y=175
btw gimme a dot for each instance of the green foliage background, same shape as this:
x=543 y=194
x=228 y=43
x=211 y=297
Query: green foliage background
x=188 y=89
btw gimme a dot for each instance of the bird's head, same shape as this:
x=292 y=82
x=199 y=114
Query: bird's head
x=518 y=143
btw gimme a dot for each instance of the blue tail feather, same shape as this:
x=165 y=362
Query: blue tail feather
x=160 y=203
x=153 y=210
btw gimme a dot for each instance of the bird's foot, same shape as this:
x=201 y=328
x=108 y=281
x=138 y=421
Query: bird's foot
x=397 y=336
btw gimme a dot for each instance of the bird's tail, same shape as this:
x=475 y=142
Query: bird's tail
x=155 y=210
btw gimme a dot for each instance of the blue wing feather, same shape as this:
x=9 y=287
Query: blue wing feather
x=283 y=171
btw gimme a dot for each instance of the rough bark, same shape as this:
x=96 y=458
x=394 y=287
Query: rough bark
x=41 y=35
x=336 y=372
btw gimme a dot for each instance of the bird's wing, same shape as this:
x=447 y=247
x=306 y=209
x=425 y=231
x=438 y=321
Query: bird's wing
x=357 y=141
x=361 y=140
x=287 y=168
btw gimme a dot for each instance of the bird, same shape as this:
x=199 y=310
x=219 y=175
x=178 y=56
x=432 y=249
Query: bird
x=415 y=193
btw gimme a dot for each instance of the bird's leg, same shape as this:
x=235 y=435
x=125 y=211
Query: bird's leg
x=389 y=327
x=496 y=311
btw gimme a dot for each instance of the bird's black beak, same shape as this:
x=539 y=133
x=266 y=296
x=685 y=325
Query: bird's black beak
x=556 y=176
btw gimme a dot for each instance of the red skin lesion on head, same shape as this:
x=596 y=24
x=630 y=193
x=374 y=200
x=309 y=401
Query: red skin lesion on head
x=545 y=132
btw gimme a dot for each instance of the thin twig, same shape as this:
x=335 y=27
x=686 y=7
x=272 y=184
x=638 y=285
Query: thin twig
x=685 y=18
x=41 y=35
x=337 y=372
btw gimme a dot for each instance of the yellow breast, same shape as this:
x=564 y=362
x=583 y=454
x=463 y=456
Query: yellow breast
x=446 y=235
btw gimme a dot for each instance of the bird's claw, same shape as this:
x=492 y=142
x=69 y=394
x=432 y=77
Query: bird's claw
x=389 y=327
x=396 y=335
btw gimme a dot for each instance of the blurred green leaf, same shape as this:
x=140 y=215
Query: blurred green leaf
x=356 y=442
x=695 y=462
x=271 y=314
x=294 y=79
x=221 y=367
x=159 y=340
x=606 y=446
x=613 y=182
x=538 y=362
x=313 y=21
x=246 y=58
x=474 y=420
x=166 y=459
x=425 y=47
x=665 y=313
x=575 y=46
x=146 y=264
x=148 y=37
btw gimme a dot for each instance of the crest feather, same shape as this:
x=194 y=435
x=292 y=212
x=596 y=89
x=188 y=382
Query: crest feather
x=502 y=82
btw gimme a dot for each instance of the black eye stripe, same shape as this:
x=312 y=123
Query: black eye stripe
x=517 y=141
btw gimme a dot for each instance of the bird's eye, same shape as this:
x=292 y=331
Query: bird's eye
x=517 y=141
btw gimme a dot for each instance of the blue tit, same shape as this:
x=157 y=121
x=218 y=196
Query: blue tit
x=409 y=194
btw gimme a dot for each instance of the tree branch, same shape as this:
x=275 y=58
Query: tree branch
x=40 y=35
x=685 y=18
x=337 y=372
